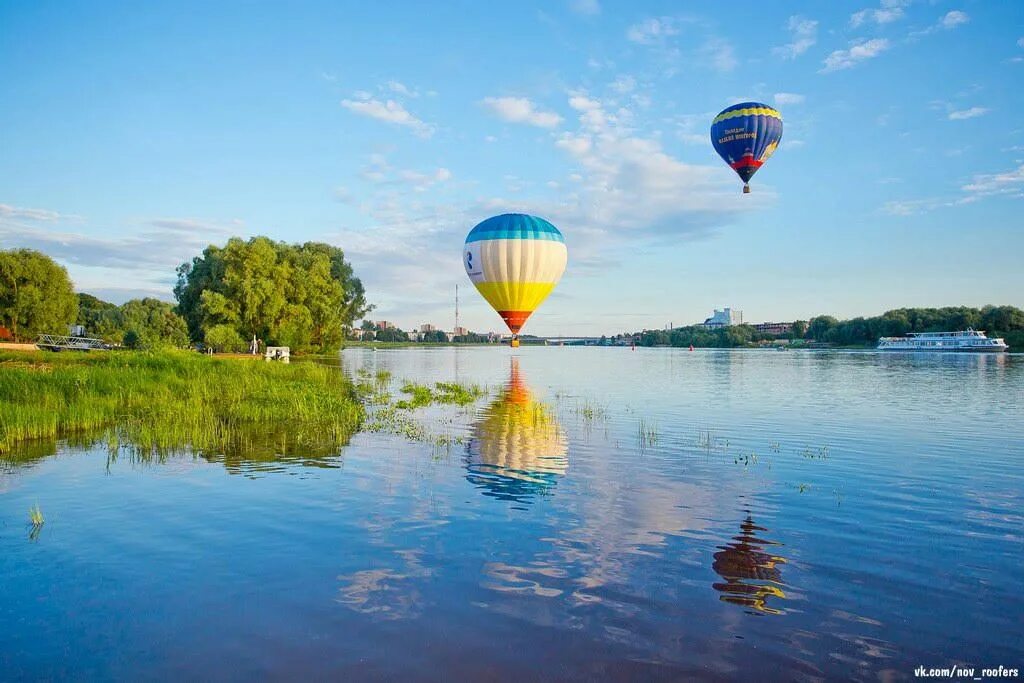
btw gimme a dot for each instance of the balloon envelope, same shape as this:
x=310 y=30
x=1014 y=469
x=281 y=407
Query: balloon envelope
x=745 y=135
x=515 y=261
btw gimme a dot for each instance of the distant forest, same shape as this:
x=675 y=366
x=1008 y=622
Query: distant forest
x=998 y=321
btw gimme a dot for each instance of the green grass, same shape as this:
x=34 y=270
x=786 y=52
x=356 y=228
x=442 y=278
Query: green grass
x=35 y=516
x=398 y=418
x=420 y=395
x=590 y=411
x=647 y=434
x=157 y=402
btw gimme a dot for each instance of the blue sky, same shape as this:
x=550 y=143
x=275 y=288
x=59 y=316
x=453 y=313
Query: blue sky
x=132 y=134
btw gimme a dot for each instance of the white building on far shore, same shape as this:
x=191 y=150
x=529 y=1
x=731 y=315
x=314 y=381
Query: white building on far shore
x=723 y=318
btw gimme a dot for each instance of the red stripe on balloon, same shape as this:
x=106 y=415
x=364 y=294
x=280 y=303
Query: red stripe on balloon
x=514 y=319
x=747 y=161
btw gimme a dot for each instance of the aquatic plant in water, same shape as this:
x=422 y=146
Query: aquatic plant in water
x=647 y=434
x=421 y=395
x=35 y=516
x=590 y=411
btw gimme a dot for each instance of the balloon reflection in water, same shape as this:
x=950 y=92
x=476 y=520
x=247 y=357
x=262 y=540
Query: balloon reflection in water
x=517 y=449
x=751 y=574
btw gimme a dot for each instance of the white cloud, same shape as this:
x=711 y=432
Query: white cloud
x=954 y=19
x=420 y=182
x=988 y=185
x=692 y=129
x=913 y=207
x=521 y=110
x=631 y=185
x=971 y=113
x=651 y=31
x=16 y=212
x=784 y=98
x=719 y=54
x=860 y=50
x=344 y=195
x=623 y=84
x=948 y=21
x=379 y=172
x=585 y=7
x=888 y=12
x=143 y=262
x=388 y=111
x=1020 y=42
x=581 y=102
x=804 y=34
x=981 y=186
x=401 y=89
x=576 y=145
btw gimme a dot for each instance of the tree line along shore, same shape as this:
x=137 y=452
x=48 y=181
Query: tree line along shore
x=999 y=321
x=304 y=296
x=307 y=297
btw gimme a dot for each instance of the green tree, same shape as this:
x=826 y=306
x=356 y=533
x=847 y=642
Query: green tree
x=304 y=296
x=225 y=338
x=819 y=326
x=435 y=336
x=99 y=318
x=393 y=334
x=154 y=324
x=36 y=295
x=131 y=340
x=1002 y=318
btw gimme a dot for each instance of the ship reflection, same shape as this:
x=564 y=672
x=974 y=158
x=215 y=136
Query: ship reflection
x=751 y=574
x=517 y=449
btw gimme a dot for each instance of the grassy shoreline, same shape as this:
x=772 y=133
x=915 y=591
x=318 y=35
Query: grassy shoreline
x=171 y=400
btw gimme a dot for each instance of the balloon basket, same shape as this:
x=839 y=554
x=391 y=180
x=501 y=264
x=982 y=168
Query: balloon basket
x=515 y=343
x=746 y=189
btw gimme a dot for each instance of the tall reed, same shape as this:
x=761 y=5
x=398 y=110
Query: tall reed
x=155 y=401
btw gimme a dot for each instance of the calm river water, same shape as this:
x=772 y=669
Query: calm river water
x=601 y=514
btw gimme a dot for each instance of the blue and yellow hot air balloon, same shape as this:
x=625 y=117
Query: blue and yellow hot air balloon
x=514 y=260
x=745 y=135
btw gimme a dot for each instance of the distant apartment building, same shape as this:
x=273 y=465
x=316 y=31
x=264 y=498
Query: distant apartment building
x=426 y=327
x=723 y=318
x=460 y=331
x=776 y=329
x=384 y=325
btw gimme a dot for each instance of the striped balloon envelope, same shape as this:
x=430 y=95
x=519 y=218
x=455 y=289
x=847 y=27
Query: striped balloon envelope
x=745 y=135
x=515 y=261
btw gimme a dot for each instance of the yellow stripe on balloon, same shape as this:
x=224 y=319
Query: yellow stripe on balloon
x=515 y=296
x=751 y=111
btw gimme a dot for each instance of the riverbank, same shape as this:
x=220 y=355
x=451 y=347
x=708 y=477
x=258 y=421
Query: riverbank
x=172 y=400
x=407 y=344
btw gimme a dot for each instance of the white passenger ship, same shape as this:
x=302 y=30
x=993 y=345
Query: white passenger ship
x=967 y=340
